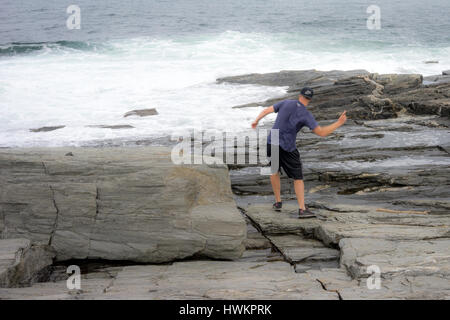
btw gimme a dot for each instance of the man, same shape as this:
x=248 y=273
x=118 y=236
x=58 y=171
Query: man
x=292 y=116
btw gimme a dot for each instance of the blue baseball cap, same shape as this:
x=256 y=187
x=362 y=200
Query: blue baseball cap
x=307 y=92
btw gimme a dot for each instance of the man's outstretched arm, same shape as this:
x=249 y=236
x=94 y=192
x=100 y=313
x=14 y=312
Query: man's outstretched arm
x=325 y=131
x=263 y=113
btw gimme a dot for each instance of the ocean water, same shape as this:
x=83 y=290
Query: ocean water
x=168 y=54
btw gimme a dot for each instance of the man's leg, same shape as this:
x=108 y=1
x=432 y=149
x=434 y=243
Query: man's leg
x=276 y=186
x=299 y=187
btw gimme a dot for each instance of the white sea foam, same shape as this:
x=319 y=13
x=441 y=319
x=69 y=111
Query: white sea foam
x=176 y=76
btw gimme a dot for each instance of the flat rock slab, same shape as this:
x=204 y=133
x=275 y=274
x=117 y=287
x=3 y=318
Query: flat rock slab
x=399 y=287
x=370 y=214
x=21 y=263
x=297 y=249
x=232 y=280
x=413 y=258
x=261 y=255
x=402 y=287
x=187 y=280
x=405 y=246
x=284 y=222
x=336 y=222
x=331 y=232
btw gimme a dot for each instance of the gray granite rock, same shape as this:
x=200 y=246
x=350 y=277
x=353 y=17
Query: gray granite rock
x=399 y=287
x=331 y=233
x=364 y=95
x=47 y=129
x=347 y=221
x=393 y=83
x=119 y=204
x=412 y=258
x=379 y=189
x=261 y=255
x=284 y=222
x=187 y=280
x=255 y=240
x=232 y=280
x=22 y=263
x=297 y=249
x=292 y=78
x=436 y=79
x=141 y=113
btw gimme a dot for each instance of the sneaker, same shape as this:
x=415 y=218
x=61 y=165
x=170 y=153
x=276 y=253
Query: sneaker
x=277 y=206
x=305 y=213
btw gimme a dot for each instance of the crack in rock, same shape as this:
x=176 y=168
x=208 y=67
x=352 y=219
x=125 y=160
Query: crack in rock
x=55 y=223
x=324 y=287
x=97 y=198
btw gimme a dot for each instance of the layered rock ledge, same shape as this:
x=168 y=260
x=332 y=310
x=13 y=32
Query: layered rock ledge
x=379 y=185
x=366 y=96
x=118 y=204
x=411 y=251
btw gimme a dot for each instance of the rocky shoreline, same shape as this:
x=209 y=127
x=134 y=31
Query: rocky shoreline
x=380 y=187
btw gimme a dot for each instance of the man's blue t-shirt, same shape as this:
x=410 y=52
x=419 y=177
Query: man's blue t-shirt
x=292 y=116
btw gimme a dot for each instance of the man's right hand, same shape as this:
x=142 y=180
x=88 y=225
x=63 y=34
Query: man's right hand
x=263 y=113
x=342 y=118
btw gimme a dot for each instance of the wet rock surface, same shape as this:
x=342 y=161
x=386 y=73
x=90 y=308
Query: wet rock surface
x=47 y=129
x=105 y=126
x=141 y=113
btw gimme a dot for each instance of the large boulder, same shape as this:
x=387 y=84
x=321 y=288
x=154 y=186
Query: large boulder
x=119 y=204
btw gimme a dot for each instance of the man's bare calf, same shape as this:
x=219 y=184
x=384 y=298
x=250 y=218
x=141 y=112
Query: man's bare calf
x=276 y=186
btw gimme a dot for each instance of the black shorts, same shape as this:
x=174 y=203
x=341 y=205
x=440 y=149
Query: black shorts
x=289 y=161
